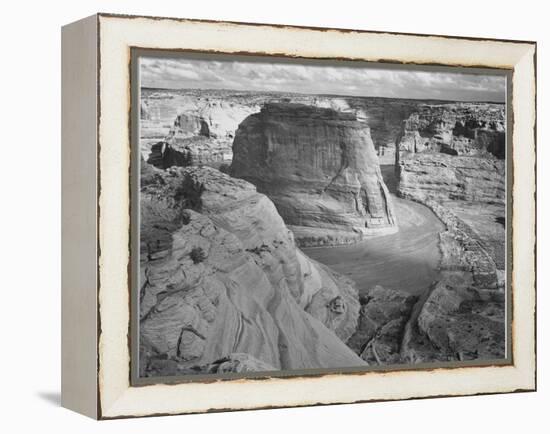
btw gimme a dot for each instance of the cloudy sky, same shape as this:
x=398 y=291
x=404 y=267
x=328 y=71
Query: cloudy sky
x=197 y=73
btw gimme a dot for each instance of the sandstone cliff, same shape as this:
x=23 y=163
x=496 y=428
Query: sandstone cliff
x=221 y=275
x=453 y=152
x=320 y=169
x=455 y=129
x=195 y=127
x=443 y=177
x=450 y=157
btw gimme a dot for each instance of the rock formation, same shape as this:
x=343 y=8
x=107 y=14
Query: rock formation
x=320 y=169
x=383 y=316
x=221 y=275
x=453 y=152
x=196 y=128
x=224 y=287
x=450 y=158
x=457 y=322
x=456 y=129
x=454 y=321
x=443 y=177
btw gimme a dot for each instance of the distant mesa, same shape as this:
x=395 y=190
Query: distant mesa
x=319 y=167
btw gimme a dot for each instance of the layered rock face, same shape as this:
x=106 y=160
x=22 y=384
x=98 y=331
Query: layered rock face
x=445 y=177
x=450 y=158
x=191 y=128
x=320 y=169
x=453 y=152
x=456 y=129
x=182 y=128
x=224 y=289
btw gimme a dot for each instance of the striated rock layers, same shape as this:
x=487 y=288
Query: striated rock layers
x=180 y=128
x=450 y=158
x=456 y=129
x=197 y=128
x=445 y=177
x=453 y=152
x=319 y=167
x=223 y=286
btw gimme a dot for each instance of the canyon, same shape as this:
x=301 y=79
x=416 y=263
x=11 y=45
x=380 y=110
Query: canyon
x=286 y=231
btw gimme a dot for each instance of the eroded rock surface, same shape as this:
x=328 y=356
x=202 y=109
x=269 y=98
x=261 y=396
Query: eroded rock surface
x=382 y=319
x=456 y=129
x=462 y=323
x=455 y=320
x=444 y=177
x=450 y=158
x=190 y=127
x=221 y=275
x=320 y=169
x=181 y=128
x=226 y=290
x=453 y=152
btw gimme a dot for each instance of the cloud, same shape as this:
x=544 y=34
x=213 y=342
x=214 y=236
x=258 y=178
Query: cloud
x=220 y=73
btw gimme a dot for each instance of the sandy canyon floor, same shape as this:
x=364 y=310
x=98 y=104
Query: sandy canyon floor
x=407 y=260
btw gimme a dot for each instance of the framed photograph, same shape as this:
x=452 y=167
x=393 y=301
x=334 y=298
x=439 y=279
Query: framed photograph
x=261 y=216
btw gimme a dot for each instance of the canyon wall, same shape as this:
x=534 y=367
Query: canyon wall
x=319 y=167
x=190 y=127
x=180 y=129
x=453 y=152
x=450 y=157
x=224 y=288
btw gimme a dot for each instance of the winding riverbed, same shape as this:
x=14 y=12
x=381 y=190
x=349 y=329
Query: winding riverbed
x=407 y=260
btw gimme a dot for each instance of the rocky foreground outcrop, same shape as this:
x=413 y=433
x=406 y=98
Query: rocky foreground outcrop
x=455 y=320
x=319 y=167
x=221 y=276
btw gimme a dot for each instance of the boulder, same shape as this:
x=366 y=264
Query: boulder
x=458 y=322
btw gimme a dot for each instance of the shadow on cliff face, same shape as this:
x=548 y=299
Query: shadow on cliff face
x=390 y=178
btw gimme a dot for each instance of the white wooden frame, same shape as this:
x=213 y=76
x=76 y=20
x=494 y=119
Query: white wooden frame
x=96 y=218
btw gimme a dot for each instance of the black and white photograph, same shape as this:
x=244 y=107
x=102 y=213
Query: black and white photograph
x=281 y=217
x=298 y=215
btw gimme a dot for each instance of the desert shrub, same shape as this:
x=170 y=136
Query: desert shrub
x=197 y=255
x=185 y=218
